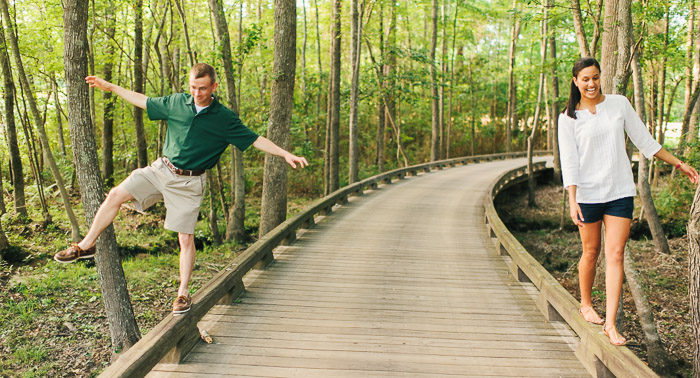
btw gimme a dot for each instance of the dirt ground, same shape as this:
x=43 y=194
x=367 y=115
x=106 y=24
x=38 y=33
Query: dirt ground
x=665 y=276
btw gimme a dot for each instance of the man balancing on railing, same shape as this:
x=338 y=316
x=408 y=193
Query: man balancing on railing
x=199 y=130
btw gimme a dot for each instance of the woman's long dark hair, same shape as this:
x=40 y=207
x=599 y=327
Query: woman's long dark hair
x=575 y=94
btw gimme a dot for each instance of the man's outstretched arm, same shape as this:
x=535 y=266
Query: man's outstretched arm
x=265 y=145
x=134 y=98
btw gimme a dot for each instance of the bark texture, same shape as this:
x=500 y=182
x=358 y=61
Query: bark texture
x=141 y=145
x=235 y=228
x=274 y=196
x=122 y=324
x=694 y=279
x=435 y=118
x=16 y=171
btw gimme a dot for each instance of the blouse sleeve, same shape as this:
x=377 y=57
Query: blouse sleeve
x=568 y=151
x=638 y=132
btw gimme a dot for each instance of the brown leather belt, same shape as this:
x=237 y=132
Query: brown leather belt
x=181 y=172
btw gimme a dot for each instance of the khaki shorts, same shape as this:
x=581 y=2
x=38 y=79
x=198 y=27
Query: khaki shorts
x=182 y=195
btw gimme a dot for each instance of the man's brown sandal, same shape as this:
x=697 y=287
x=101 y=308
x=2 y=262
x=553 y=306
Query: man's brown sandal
x=73 y=253
x=182 y=304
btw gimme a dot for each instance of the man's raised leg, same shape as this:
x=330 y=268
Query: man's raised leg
x=103 y=218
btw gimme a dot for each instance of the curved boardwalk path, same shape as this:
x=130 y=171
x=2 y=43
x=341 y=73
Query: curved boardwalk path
x=402 y=282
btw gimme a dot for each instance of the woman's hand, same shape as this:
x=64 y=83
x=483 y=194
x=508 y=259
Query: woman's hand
x=690 y=172
x=575 y=213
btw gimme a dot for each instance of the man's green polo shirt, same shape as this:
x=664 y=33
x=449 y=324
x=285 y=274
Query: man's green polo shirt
x=196 y=140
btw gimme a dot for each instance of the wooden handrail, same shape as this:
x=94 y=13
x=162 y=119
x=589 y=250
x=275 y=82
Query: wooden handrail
x=171 y=339
x=600 y=358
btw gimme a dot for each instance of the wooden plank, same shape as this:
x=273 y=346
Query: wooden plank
x=399 y=283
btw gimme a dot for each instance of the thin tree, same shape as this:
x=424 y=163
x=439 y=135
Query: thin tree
x=120 y=315
x=332 y=155
x=511 y=118
x=532 y=139
x=355 y=53
x=108 y=100
x=656 y=353
x=689 y=79
x=235 y=227
x=583 y=49
x=555 y=107
x=141 y=145
x=39 y=121
x=435 y=115
x=16 y=171
x=381 y=80
x=274 y=195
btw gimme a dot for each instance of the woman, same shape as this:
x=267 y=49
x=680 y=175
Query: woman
x=597 y=173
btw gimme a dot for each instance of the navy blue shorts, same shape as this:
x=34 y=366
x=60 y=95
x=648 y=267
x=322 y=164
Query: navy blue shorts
x=593 y=212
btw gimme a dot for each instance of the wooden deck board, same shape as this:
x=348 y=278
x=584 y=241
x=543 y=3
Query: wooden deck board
x=399 y=283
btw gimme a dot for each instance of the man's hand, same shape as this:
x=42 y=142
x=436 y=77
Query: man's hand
x=99 y=83
x=293 y=160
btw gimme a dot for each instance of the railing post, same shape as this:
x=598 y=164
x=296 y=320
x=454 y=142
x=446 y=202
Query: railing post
x=190 y=337
x=266 y=259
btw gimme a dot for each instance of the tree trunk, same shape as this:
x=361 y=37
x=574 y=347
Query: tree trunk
x=274 y=197
x=435 y=118
x=624 y=43
x=108 y=100
x=235 y=228
x=59 y=117
x=3 y=241
x=333 y=130
x=441 y=90
x=16 y=171
x=213 y=222
x=608 y=60
x=39 y=121
x=694 y=279
x=656 y=353
x=355 y=53
x=381 y=124
x=452 y=80
x=555 y=108
x=511 y=118
x=120 y=315
x=532 y=139
x=3 y=209
x=688 y=69
x=320 y=76
x=595 y=14
x=578 y=27
x=141 y=145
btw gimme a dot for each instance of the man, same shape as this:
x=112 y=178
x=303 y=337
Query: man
x=199 y=130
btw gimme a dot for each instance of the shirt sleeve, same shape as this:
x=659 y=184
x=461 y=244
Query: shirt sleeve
x=158 y=108
x=568 y=151
x=638 y=132
x=239 y=135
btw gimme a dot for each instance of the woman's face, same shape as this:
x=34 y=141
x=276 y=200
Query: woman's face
x=588 y=83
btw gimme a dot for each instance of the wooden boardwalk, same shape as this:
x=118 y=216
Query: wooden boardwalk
x=402 y=282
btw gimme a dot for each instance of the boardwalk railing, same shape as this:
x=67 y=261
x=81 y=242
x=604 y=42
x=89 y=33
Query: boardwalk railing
x=596 y=353
x=171 y=339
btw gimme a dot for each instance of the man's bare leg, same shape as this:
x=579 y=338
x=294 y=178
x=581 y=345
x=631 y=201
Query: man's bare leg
x=187 y=254
x=105 y=215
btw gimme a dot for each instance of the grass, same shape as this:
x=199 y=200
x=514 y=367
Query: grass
x=52 y=318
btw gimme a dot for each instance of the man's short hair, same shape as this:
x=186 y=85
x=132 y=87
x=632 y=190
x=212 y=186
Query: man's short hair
x=202 y=70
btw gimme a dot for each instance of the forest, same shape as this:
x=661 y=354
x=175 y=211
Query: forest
x=357 y=87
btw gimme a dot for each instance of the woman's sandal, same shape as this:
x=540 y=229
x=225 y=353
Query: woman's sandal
x=620 y=342
x=597 y=320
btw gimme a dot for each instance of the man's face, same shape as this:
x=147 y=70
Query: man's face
x=201 y=89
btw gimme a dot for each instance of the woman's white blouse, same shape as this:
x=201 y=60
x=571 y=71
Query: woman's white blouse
x=592 y=150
